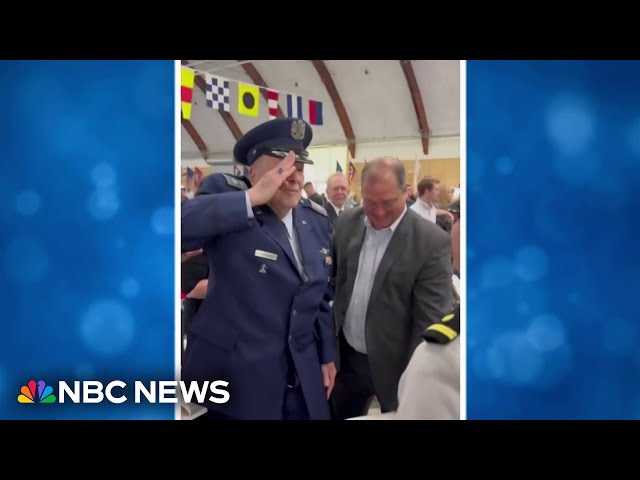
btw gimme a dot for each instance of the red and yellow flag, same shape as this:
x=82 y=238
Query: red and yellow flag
x=187 y=77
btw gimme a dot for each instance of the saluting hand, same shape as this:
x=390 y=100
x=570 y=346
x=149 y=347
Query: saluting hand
x=187 y=255
x=268 y=185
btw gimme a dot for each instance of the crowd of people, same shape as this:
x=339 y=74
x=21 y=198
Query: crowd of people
x=313 y=306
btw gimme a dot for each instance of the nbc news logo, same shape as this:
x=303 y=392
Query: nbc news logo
x=92 y=391
x=28 y=393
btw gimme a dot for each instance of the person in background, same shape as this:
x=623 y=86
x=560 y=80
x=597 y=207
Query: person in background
x=411 y=197
x=426 y=204
x=445 y=196
x=194 y=277
x=337 y=193
x=312 y=194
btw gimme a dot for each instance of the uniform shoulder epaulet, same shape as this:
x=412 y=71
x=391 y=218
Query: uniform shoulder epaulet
x=235 y=182
x=313 y=205
x=444 y=331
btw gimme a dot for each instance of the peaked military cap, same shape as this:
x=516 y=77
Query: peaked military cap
x=275 y=138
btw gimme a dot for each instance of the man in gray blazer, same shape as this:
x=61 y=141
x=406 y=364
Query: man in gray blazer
x=393 y=273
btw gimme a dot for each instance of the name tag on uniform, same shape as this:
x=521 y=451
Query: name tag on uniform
x=267 y=255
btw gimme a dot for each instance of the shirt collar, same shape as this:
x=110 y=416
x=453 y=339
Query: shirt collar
x=392 y=227
x=337 y=210
x=424 y=204
x=288 y=222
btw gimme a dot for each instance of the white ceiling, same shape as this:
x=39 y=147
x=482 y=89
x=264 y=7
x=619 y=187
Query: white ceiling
x=375 y=94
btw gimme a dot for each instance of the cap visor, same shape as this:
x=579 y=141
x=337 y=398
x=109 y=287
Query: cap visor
x=303 y=159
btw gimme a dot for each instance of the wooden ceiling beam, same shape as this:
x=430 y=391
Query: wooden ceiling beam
x=195 y=136
x=325 y=76
x=418 y=104
x=257 y=79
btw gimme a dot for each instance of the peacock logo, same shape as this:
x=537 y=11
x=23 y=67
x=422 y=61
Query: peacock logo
x=28 y=393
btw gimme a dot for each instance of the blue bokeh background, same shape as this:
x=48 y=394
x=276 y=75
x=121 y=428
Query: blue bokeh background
x=87 y=243
x=553 y=168
x=87 y=218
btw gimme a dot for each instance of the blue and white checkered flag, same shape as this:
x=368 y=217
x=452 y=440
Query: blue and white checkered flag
x=217 y=93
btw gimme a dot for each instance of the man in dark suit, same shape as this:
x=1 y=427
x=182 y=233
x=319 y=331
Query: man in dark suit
x=337 y=193
x=265 y=325
x=312 y=194
x=194 y=282
x=393 y=275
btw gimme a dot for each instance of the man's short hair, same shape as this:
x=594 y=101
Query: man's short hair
x=394 y=163
x=427 y=184
x=333 y=175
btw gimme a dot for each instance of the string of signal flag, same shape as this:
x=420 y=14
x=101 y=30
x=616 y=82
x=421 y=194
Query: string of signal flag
x=218 y=95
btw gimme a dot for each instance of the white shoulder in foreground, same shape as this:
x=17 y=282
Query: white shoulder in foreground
x=430 y=386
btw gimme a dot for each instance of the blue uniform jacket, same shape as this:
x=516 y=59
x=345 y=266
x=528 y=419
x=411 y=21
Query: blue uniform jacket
x=256 y=307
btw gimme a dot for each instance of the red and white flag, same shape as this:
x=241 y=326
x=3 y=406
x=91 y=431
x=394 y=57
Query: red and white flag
x=272 y=98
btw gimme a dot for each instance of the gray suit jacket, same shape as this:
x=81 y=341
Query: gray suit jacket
x=412 y=289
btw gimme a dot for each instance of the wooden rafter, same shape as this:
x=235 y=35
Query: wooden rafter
x=325 y=76
x=195 y=136
x=418 y=104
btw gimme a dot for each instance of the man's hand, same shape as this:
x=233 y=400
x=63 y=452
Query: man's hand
x=449 y=217
x=187 y=255
x=446 y=214
x=268 y=185
x=200 y=290
x=329 y=376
